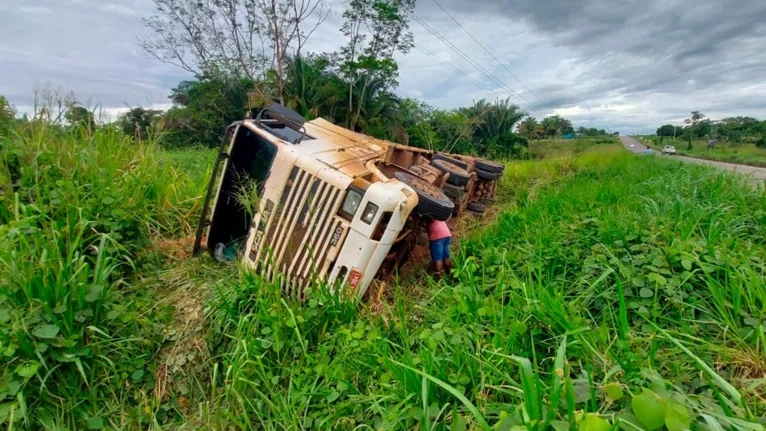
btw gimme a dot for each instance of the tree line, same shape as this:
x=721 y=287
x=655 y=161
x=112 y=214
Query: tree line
x=735 y=130
x=246 y=54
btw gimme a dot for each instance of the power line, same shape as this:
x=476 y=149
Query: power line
x=487 y=51
x=456 y=70
x=473 y=63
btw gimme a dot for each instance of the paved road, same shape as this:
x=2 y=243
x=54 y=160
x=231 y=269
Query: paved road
x=757 y=175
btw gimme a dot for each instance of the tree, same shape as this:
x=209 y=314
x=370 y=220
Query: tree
x=696 y=117
x=367 y=61
x=665 y=131
x=530 y=128
x=501 y=118
x=239 y=37
x=555 y=125
x=138 y=121
x=314 y=89
x=203 y=109
x=80 y=116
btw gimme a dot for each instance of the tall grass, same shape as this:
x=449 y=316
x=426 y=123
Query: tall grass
x=77 y=209
x=612 y=291
x=548 y=149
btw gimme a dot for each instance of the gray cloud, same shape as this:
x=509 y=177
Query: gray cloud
x=627 y=65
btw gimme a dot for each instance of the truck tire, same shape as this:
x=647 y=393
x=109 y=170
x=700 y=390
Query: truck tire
x=432 y=202
x=440 y=156
x=487 y=166
x=455 y=193
x=477 y=207
x=488 y=201
x=488 y=176
x=457 y=175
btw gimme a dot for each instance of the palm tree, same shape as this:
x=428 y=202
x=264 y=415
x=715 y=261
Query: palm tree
x=530 y=128
x=550 y=126
x=313 y=90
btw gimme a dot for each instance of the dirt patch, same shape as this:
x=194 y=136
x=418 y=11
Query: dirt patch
x=175 y=248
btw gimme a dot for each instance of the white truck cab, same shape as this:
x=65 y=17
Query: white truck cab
x=324 y=211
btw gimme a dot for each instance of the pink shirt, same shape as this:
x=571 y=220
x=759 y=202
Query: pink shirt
x=438 y=230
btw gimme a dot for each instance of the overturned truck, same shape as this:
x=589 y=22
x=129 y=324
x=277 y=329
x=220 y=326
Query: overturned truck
x=311 y=201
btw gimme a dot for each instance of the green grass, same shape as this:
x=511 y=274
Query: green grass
x=546 y=149
x=743 y=154
x=78 y=213
x=609 y=290
x=606 y=277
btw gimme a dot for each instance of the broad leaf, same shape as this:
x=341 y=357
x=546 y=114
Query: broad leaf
x=46 y=331
x=677 y=417
x=592 y=422
x=613 y=391
x=650 y=409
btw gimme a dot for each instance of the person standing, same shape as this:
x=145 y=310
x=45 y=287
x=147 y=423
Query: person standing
x=439 y=239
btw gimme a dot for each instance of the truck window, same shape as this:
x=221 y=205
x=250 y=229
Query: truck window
x=249 y=164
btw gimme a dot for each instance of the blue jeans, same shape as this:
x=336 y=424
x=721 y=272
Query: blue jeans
x=440 y=249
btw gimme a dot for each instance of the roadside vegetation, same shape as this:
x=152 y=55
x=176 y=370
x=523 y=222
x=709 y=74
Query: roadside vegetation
x=740 y=140
x=742 y=153
x=608 y=290
x=547 y=149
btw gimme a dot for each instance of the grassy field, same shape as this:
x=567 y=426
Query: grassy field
x=546 y=149
x=607 y=291
x=744 y=154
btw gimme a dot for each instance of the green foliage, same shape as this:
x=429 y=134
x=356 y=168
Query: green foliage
x=80 y=116
x=203 y=109
x=669 y=130
x=77 y=212
x=139 y=121
x=376 y=30
x=7 y=114
x=526 y=334
x=601 y=274
x=555 y=125
x=530 y=128
x=744 y=153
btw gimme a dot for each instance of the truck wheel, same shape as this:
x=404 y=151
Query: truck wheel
x=455 y=193
x=487 y=166
x=457 y=175
x=432 y=202
x=488 y=201
x=439 y=156
x=477 y=207
x=488 y=176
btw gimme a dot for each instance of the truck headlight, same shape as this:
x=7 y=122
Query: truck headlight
x=369 y=212
x=351 y=203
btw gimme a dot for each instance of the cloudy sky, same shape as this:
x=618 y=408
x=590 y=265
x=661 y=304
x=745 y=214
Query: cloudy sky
x=622 y=65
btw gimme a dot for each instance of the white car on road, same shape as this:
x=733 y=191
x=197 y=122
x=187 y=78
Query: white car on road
x=669 y=149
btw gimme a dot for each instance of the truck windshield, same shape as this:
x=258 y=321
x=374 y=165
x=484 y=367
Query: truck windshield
x=249 y=164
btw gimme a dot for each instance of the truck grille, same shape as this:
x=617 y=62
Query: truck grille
x=301 y=232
